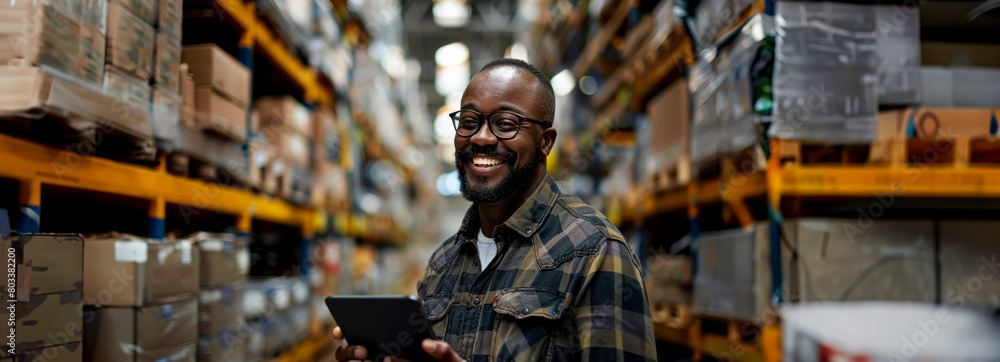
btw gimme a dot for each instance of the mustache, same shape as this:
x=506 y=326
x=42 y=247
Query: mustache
x=489 y=151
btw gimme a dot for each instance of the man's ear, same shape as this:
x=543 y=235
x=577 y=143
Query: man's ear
x=548 y=140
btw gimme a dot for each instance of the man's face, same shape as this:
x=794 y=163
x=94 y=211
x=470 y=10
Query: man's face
x=490 y=169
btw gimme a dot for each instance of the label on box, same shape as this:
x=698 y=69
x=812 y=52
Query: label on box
x=167 y=311
x=185 y=251
x=131 y=251
x=243 y=261
x=163 y=254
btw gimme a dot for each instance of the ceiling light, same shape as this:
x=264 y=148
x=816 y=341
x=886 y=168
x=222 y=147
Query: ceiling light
x=563 y=83
x=452 y=54
x=518 y=51
x=451 y=13
x=451 y=79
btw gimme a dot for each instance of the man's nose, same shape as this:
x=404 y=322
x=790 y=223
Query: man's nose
x=484 y=137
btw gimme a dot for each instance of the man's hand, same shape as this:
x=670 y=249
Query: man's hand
x=437 y=349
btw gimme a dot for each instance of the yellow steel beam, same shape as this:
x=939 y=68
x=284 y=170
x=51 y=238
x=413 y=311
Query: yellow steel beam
x=26 y=161
x=913 y=181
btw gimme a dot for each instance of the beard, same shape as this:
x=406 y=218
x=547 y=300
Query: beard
x=508 y=183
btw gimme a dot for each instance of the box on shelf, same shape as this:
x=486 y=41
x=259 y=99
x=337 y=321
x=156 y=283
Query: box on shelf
x=56 y=31
x=168 y=62
x=171 y=17
x=935 y=122
x=212 y=66
x=47 y=263
x=812 y=88
x=220 y=308
x=744 y=69
x=670 y=129
x=961 y=86
x=162 y=272
x=187 y=94
x=49 y=320
x=329 y=187
x=154 y=333
x=327 y=136
x=30 y=88
x=130 y=42
x=970 y=267
x=253 y=340
x=218 y=151
x=899 y=56
x=283 y=112
x=288 y=145
x=70 y=352
x=144 y=10
x=224 y=258
x=166 y=115
x=120 y=85
x=224 y=346
x=882 y=331
x=220 y=115
x=298 y=322
x=93 y=45
x=842 y=261
x=734 y=273
x=673 y=269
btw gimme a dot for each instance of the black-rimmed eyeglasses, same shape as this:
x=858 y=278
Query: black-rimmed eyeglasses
x=504 y=125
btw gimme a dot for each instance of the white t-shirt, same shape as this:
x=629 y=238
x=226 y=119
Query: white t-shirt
x=487 y=250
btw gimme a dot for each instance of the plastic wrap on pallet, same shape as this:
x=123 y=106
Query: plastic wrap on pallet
x=960 y=86
x=825 y=78
x=93 y=42
x=217 y=151
x=290 y=18
x=713 y=17
x=168 y=62
x=742 y=63
x=734 y=273
x=899 y=54
x=166 y=117
x=130 y=42
x=877 y=331
x=224 y=346
x=145 y=10
x=705 y=128
x=163 y=332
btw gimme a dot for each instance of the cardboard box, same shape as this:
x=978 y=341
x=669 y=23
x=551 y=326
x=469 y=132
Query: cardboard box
x=130 y=43
x=224 y=258
x=326 y=134
x=119 y=85
x=144 y=334
x=675 y=269
x=166 y=115
x=254 y=339
x=221 y=347
x=95 y=13
x=70 y=352
x=844 y=260
x=212 y=66
x=935 y=122
x=214 y=149
x=734 y=273
x=162 y=272
x=219 y=114
x=668 y=294
x=171 y=18
x=970 y=266
x=56 y=31
x=144 y=10
x=168 y=63
x=283 y=111
x=288 y=145
x=669 y=126
x=47 y=263
x=93 y=42
x=29 y=88
x=220 y=309
x=49 y=320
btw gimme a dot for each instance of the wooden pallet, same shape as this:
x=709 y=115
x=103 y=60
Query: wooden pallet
x=280 y=179
x=672 y=316
x=181 y=164
x=955 y=152
x=746 y=161
x=98 y=140
x=674 y=175
x=794 y=152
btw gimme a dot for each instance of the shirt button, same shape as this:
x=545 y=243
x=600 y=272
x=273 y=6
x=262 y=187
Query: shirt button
x=527 y=231
x=525 y=311
x=475 y=301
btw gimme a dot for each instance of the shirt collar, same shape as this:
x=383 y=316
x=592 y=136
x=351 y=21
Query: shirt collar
x=526 y=220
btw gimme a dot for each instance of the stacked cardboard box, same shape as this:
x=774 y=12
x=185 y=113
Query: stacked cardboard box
x=283 y=308
x=668 y=284
x=144 y=298
x=225 y=261
x=222 y=93
x=734 y=279
x=49 y=296
x=669 y=130
x=285 y=125
x=330 y=186
x=130 y=42
x=65 y=37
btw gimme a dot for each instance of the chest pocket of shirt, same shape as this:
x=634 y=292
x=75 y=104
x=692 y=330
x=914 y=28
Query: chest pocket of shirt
x=435 y=308
x=529 y=322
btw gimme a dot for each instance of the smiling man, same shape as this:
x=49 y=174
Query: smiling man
x=533 y=274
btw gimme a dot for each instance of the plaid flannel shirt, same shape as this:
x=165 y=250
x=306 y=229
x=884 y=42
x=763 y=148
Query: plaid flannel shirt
x=563 y=286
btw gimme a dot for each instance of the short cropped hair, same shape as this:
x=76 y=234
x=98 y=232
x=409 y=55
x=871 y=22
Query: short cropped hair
x=548 y=100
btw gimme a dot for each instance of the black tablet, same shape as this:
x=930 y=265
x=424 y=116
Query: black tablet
x=386 y=325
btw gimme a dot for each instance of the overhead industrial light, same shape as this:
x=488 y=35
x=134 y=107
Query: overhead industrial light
x=451 y=54
x=451 y=13
x=518 y=51
x=563 y=83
